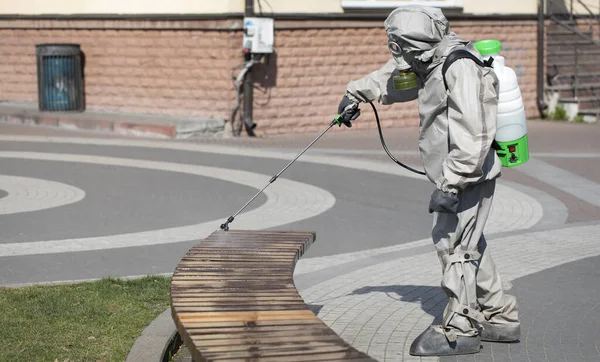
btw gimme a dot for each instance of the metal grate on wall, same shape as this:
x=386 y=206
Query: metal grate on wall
x=60 y=77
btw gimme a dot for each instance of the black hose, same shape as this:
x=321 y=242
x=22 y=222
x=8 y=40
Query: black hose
x=236 y=132
x=385 y=147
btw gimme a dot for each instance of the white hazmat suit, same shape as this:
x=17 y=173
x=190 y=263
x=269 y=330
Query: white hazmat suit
x=457 y=128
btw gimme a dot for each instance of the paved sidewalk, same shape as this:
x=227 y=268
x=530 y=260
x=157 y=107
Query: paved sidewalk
x=382 y=299
x=381 y=308
x=372 y=275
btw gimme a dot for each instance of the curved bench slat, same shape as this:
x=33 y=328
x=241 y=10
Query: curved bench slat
x=233 y=297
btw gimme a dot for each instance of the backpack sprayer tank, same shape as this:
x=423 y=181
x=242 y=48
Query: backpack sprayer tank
x=511 y=125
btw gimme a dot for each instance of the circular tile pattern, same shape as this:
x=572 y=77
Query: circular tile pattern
x=287 y=201
x=25 y=194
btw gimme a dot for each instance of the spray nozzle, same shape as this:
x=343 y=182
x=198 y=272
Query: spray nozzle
x=225 y=226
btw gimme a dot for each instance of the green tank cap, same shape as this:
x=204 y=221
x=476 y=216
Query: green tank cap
x=487 y=47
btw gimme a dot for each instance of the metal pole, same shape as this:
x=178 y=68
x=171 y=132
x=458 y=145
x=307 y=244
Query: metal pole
x=249 y=8
x=571 y=12
x=576 y=91
x=248 y=89
x=540 y=58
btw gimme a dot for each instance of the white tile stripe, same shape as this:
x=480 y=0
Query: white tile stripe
x=366 y=165
x=26 y=194
x=564 y=180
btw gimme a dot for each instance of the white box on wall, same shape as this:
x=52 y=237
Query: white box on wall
x=259 y=35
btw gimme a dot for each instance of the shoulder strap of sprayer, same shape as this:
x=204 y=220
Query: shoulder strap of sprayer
x=461 y=54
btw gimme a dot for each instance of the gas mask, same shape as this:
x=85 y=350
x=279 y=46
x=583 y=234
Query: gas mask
x=406 y=79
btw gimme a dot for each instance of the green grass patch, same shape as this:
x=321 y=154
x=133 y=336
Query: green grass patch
x=95 y=321
x=559 y=114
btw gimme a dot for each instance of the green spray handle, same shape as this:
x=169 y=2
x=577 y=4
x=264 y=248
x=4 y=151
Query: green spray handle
x=339 y=119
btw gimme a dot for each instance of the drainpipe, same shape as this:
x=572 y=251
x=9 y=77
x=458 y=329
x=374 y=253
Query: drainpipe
x=540 y=53
x=248 y=89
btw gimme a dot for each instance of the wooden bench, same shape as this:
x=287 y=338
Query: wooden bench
x=233 y=297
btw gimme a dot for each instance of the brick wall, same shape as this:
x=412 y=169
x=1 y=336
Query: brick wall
x=180 y=72
x=184 y=67
x=314 y=66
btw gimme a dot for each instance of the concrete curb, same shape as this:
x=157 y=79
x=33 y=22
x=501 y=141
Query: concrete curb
x=156 y=126
x=158 y=342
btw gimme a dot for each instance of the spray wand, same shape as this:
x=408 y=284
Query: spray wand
x=337 y=120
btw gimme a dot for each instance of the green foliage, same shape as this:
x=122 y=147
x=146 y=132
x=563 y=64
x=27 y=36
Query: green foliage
x=97 y=321
x=560 y=114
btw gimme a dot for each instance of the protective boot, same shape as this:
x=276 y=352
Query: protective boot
x=493 y=332
x=501 y=323
x=433 y=342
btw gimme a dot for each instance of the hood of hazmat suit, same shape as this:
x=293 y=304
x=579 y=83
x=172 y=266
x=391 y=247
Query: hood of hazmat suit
x=417 y=31
x=458 y=125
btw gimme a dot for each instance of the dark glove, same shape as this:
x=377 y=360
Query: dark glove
x=347 y=111
x=445 y=202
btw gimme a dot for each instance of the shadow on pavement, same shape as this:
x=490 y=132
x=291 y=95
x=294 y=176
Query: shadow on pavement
x=315 y=308
x=430 y=298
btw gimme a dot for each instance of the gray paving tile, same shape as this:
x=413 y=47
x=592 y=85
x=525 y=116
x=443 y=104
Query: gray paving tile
x=573 y=357
x=570 y=292
x=500 y=351
x=466 y=358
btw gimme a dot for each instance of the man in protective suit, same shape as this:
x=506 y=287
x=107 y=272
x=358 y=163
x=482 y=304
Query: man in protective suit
x=457 y=128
